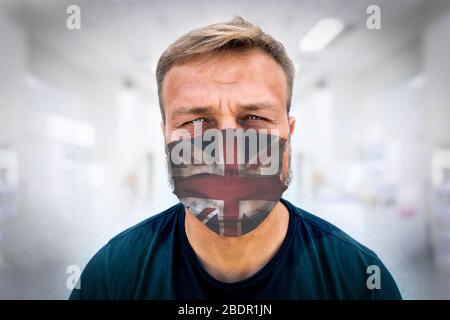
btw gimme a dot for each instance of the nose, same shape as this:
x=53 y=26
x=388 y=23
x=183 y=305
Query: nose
x=227 y=121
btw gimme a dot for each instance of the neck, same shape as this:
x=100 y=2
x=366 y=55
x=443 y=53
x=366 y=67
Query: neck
x=231 y=259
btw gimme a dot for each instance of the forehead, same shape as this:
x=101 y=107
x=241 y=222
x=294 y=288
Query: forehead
x=237 y=77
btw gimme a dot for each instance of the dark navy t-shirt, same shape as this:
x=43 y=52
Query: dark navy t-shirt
x=154 y=260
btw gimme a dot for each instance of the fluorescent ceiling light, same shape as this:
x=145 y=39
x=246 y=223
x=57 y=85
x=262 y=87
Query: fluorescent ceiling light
x=321 y=34
x=32 y=82
x=417 y=82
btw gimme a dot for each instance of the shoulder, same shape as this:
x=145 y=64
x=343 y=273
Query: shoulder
x=328 y=234
x=160 y=225
x=339 y=257
x=121 y=259
x=154 y=233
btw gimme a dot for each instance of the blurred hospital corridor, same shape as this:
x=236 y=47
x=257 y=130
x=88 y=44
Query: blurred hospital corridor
x=82 y=152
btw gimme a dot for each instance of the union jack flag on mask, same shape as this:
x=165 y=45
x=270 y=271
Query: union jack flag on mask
x=229 y=179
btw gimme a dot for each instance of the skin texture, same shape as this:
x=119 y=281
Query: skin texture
x=231 y=90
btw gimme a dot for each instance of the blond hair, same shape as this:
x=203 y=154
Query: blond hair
x=235 y=35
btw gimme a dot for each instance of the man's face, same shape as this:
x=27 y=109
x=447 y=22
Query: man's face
x=230 y=90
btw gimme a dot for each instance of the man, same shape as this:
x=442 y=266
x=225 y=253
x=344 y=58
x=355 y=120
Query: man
x=231 y=238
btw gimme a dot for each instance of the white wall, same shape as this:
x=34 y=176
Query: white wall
x=12 y=66
x=437 y=69
x=82 y=194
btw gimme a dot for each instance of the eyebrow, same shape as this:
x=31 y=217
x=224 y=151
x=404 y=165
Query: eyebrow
x=258 y=106
x=209 y=110
x=191 y=111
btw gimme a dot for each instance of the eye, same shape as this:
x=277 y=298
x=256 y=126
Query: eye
x=198 y=120
x=254 y=117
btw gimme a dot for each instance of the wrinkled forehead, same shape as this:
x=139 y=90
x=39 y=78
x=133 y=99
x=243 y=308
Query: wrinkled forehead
x=239 y=77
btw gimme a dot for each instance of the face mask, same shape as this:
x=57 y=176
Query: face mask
x=229 y=179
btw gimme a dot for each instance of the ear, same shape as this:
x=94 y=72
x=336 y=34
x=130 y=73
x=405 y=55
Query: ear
x=292 y=121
